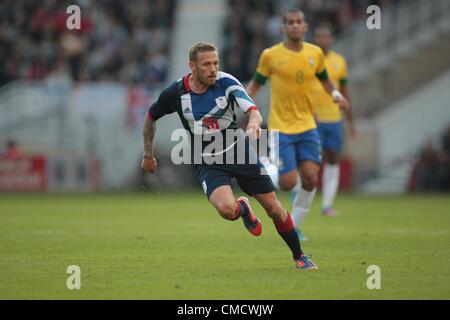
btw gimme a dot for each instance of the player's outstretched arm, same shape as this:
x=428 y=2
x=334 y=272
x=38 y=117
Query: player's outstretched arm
x=349 y=114
x=337 y=96
x=253 y=89
x=254 y=124
x=148 y=162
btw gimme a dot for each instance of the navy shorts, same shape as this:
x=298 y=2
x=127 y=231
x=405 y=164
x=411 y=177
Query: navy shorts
x=251 y=178
x=331 y=135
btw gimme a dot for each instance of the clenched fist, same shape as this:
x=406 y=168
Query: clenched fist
x=149 y=164
x=343 y=104
x=253 y=131
x=338 y=98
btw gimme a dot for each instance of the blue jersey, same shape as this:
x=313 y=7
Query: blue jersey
x=208 y=113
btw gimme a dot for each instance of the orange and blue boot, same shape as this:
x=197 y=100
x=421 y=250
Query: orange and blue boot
x=251 y=222
x=304 y=262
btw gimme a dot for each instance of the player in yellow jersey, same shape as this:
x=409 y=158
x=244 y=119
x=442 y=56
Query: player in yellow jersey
x=329 y=117
x=291 y=67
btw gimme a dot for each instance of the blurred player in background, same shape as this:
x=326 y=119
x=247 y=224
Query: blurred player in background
x=205 y=100
x=329 y=118
x=291 y=67
x=11 y=152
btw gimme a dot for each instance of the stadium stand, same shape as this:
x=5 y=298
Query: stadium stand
x=64 y=93
x=117 y=41
x=191 y=18
x=247 y=35
x=407 y=52
x=400 y=131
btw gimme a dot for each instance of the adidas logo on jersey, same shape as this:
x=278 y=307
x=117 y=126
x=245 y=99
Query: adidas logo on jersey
x=187 y=109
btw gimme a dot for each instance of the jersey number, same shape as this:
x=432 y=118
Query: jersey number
x=299 y=77
x=211 y=123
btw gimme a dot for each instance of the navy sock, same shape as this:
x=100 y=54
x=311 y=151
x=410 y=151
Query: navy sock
x=291 y=239
x=289 y=235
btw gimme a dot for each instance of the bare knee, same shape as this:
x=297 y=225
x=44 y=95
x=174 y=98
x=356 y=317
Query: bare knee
x=309 y=181
x=227 y=210
x=288 y=183
x=330 y=157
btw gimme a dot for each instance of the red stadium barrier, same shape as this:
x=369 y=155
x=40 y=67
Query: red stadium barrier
x=26 y=173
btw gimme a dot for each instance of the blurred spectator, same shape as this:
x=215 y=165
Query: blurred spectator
x=253 y=25
x=445 y=160
x=431 y=171
x=446 y=142
x=118 y=41
x=11 y=151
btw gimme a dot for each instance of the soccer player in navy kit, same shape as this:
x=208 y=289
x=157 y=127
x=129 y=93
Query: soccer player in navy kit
x=205 y=101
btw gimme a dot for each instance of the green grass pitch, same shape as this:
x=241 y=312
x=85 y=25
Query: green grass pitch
x=175 y=246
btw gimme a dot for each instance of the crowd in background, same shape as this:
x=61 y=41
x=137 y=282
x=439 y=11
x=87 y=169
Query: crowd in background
x=253 y=25
x=130 y=43
x=117 y=41
x=431 y=171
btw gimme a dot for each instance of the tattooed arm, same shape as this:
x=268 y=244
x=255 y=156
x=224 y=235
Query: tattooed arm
x=148 y=162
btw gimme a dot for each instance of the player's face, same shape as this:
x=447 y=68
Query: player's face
x=206 y=67
x=323 y=39
x=295 y=26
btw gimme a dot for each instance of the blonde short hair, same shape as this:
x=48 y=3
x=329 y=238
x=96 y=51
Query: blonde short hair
x=200 y=46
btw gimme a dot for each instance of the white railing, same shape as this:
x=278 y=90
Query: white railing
x=403 y=27
x=59 y=120
x=22 y=101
